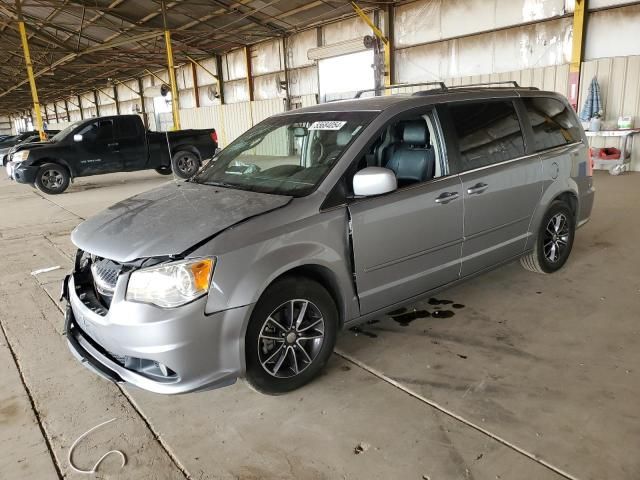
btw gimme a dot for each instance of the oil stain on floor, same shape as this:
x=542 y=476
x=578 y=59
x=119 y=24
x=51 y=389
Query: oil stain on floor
x=404 y=316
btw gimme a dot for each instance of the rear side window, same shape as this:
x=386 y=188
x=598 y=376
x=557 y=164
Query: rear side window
x=127 y=127
x=488 y=132
x=553 y=124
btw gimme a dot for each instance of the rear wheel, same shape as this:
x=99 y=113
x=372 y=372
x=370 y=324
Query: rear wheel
x=166 y=170
x=52 y=178
x=185 y=164
x=554 y=242
x=291 y=335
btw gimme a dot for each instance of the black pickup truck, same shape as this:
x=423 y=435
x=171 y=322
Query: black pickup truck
x=106 y=145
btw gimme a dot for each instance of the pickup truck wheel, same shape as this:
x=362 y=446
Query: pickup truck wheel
x=52 y=179
x=166 y=170
x=290 y=336
x=554 y=242
x=185 y=164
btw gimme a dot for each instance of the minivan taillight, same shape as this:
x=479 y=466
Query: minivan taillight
x=589 y=164
x=214 y=136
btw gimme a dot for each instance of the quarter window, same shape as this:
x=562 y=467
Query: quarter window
x=552 y=122
x=488 y=133
x=127 y=127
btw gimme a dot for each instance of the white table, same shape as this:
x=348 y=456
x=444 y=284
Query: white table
x=615 y=167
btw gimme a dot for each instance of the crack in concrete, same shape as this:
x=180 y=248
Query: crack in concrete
x=455 y=416
x=36 y=413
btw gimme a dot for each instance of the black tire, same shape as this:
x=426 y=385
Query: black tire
x=302 y=345
x=166 y=170
x=185 y=164
x=553 y=239
x=52 y=178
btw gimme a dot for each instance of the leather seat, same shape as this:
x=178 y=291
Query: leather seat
x=413 y=161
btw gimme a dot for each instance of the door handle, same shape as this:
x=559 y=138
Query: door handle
x=477 y=188
x=115 y=144
x=447 y=197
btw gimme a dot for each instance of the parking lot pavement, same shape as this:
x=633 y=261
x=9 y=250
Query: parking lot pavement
x=515 y=384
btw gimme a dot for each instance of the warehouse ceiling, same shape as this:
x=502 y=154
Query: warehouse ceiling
x=77 y=46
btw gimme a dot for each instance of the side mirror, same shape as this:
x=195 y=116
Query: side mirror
x=374 y=181
x=77 y=137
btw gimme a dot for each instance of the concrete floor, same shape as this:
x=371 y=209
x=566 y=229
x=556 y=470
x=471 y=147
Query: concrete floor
x=535 y=377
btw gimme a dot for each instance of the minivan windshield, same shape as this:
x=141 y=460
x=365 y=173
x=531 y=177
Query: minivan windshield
x=285 y=155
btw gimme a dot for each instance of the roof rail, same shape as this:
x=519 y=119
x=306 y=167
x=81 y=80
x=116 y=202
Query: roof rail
x=513 y=83
x=440 y=85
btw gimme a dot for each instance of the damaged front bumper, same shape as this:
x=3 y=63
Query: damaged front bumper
x=168 y=351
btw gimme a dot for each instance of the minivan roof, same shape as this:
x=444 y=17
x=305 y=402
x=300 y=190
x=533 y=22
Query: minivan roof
x=383 y=102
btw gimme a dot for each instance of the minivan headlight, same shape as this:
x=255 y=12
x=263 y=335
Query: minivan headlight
x=20 y=156
x=173 y=284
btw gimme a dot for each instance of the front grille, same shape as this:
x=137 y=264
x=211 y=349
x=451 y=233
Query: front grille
x=105 y=275
x=96 y=280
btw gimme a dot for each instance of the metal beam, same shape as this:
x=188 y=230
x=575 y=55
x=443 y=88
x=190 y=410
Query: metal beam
x=96 y=102
x=579 y=22
x=196 y=92
x=247 y=57
x=32 y=80
x=386 y=43
x=142 y=107
x=172 y=71
x=115 y=97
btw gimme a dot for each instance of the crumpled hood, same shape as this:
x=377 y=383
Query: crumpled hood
x=168 y=220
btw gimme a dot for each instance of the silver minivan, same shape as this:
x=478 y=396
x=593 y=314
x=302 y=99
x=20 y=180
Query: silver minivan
x=315 y=220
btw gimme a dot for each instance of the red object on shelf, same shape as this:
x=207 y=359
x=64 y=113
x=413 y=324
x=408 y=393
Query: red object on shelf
x=610 y=153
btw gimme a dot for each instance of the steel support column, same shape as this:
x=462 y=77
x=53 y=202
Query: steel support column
x=247 y=57
x=579 y=21
x=96 y=102
x=32 y=79
x=196 y=90
x=80 y=107
x=143 y=109
x=115 y=99
x=386 y=44
x=172 y=71
x=66 y=110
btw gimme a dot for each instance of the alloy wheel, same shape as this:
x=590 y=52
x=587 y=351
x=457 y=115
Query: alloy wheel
x=556 y=237
x=52 y=179
x=186 y=163
x=291 y=338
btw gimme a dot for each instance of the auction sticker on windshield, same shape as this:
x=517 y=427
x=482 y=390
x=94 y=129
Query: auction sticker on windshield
x=327 y=125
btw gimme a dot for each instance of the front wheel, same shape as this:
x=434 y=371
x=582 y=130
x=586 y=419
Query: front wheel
x=554 y=242
x=290 y=336
x=185 y=164
x=52 y=178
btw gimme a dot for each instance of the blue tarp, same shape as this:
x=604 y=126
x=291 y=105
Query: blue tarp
x=593 y=103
